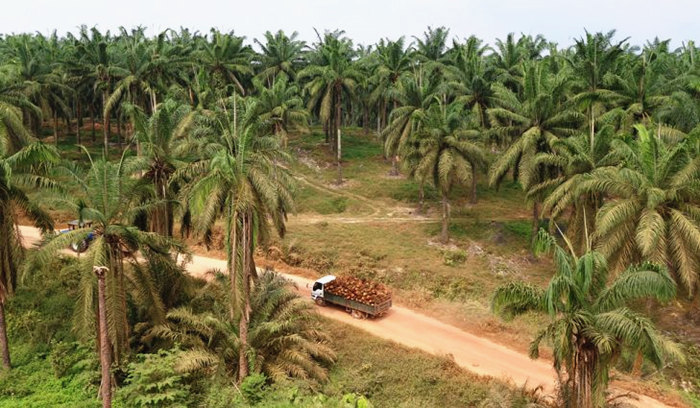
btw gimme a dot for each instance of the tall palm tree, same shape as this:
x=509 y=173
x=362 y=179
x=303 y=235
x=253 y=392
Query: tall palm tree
x=470 y=78
x=161 y=138
x=100 y=65
x=225 y=57
x=329 y=84
x=39 y=79
x=281 y=107
x=591 y=322
x=414 y=98
x=281 y=54
x=110 y=197
x=652 y=212
x=13 y=133
x=448 y=154
x=240 y=182
x=394 y=59
x=19 y=172
x=533 y=122
x=594 y=57
x=575 y=160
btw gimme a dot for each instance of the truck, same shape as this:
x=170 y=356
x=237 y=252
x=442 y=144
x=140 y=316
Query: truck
x=375 y=300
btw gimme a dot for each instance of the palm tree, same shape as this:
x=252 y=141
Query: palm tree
x=449 y=156
x=594 y=57
x=281 y=54
x=533 y=121
x=652 y=212
x=227 y=60
x=19 y=172
x=575 y=160
x=414 y=97
x=591 y=322
x=39 y=79
x=285 y=337
x=13 y=132
x=329 y=83
x=110 y=197
x=99 y=64
x=394 y=59
x=160 y=138
x=281 y=107
x=470 y=78
x=240 y=182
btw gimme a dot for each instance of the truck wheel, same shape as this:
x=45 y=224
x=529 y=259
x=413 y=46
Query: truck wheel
x=320 y=302
x=358 y=315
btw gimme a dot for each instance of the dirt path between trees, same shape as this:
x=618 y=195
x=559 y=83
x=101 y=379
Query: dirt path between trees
x=413 y=329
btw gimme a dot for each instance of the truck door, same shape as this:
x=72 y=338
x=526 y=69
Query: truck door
x=317 y=290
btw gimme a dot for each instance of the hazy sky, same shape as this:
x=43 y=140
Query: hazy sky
x=366 y=21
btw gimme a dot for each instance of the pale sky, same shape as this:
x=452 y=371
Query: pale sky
x=366 y=21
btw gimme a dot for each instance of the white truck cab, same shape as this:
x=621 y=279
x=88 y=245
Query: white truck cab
x=317 y=288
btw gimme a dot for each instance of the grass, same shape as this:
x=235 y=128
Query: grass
x=391 y=375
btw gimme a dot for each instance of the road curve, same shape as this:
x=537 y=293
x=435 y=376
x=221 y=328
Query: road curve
x=410 y=328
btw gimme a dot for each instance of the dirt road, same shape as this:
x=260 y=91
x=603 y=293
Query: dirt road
x=410 y=328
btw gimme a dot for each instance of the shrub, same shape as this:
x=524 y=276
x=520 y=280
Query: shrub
x=253 y=388
x=154 y=382
x=454 y=257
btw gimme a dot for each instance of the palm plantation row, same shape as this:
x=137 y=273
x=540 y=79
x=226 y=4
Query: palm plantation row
x=603 y=137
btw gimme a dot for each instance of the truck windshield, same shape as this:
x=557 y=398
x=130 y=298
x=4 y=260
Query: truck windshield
x=317 y=286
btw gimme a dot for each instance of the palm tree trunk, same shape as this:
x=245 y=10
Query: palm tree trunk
x=338 y=144
x=119 y=131
x=245 y=313
x=340 y=164
x=444 y=235
x=394 y=165
x=591 y=127
x=365 y=119
x=233 y=260
x=105 y=124
x=473 y=196
x=105 y=356
x=55 y=128
x=535 y=223
x=4 y=344
x=421 y=198
x=92 y=120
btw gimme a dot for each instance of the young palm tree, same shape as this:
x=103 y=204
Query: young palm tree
x=533 y=122
x=591 y=322
x=19 y=172
x=285 y=339
x=449 y=155
x=240 y=182
x=652 y=212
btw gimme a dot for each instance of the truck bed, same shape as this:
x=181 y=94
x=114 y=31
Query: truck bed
x=362 y=307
